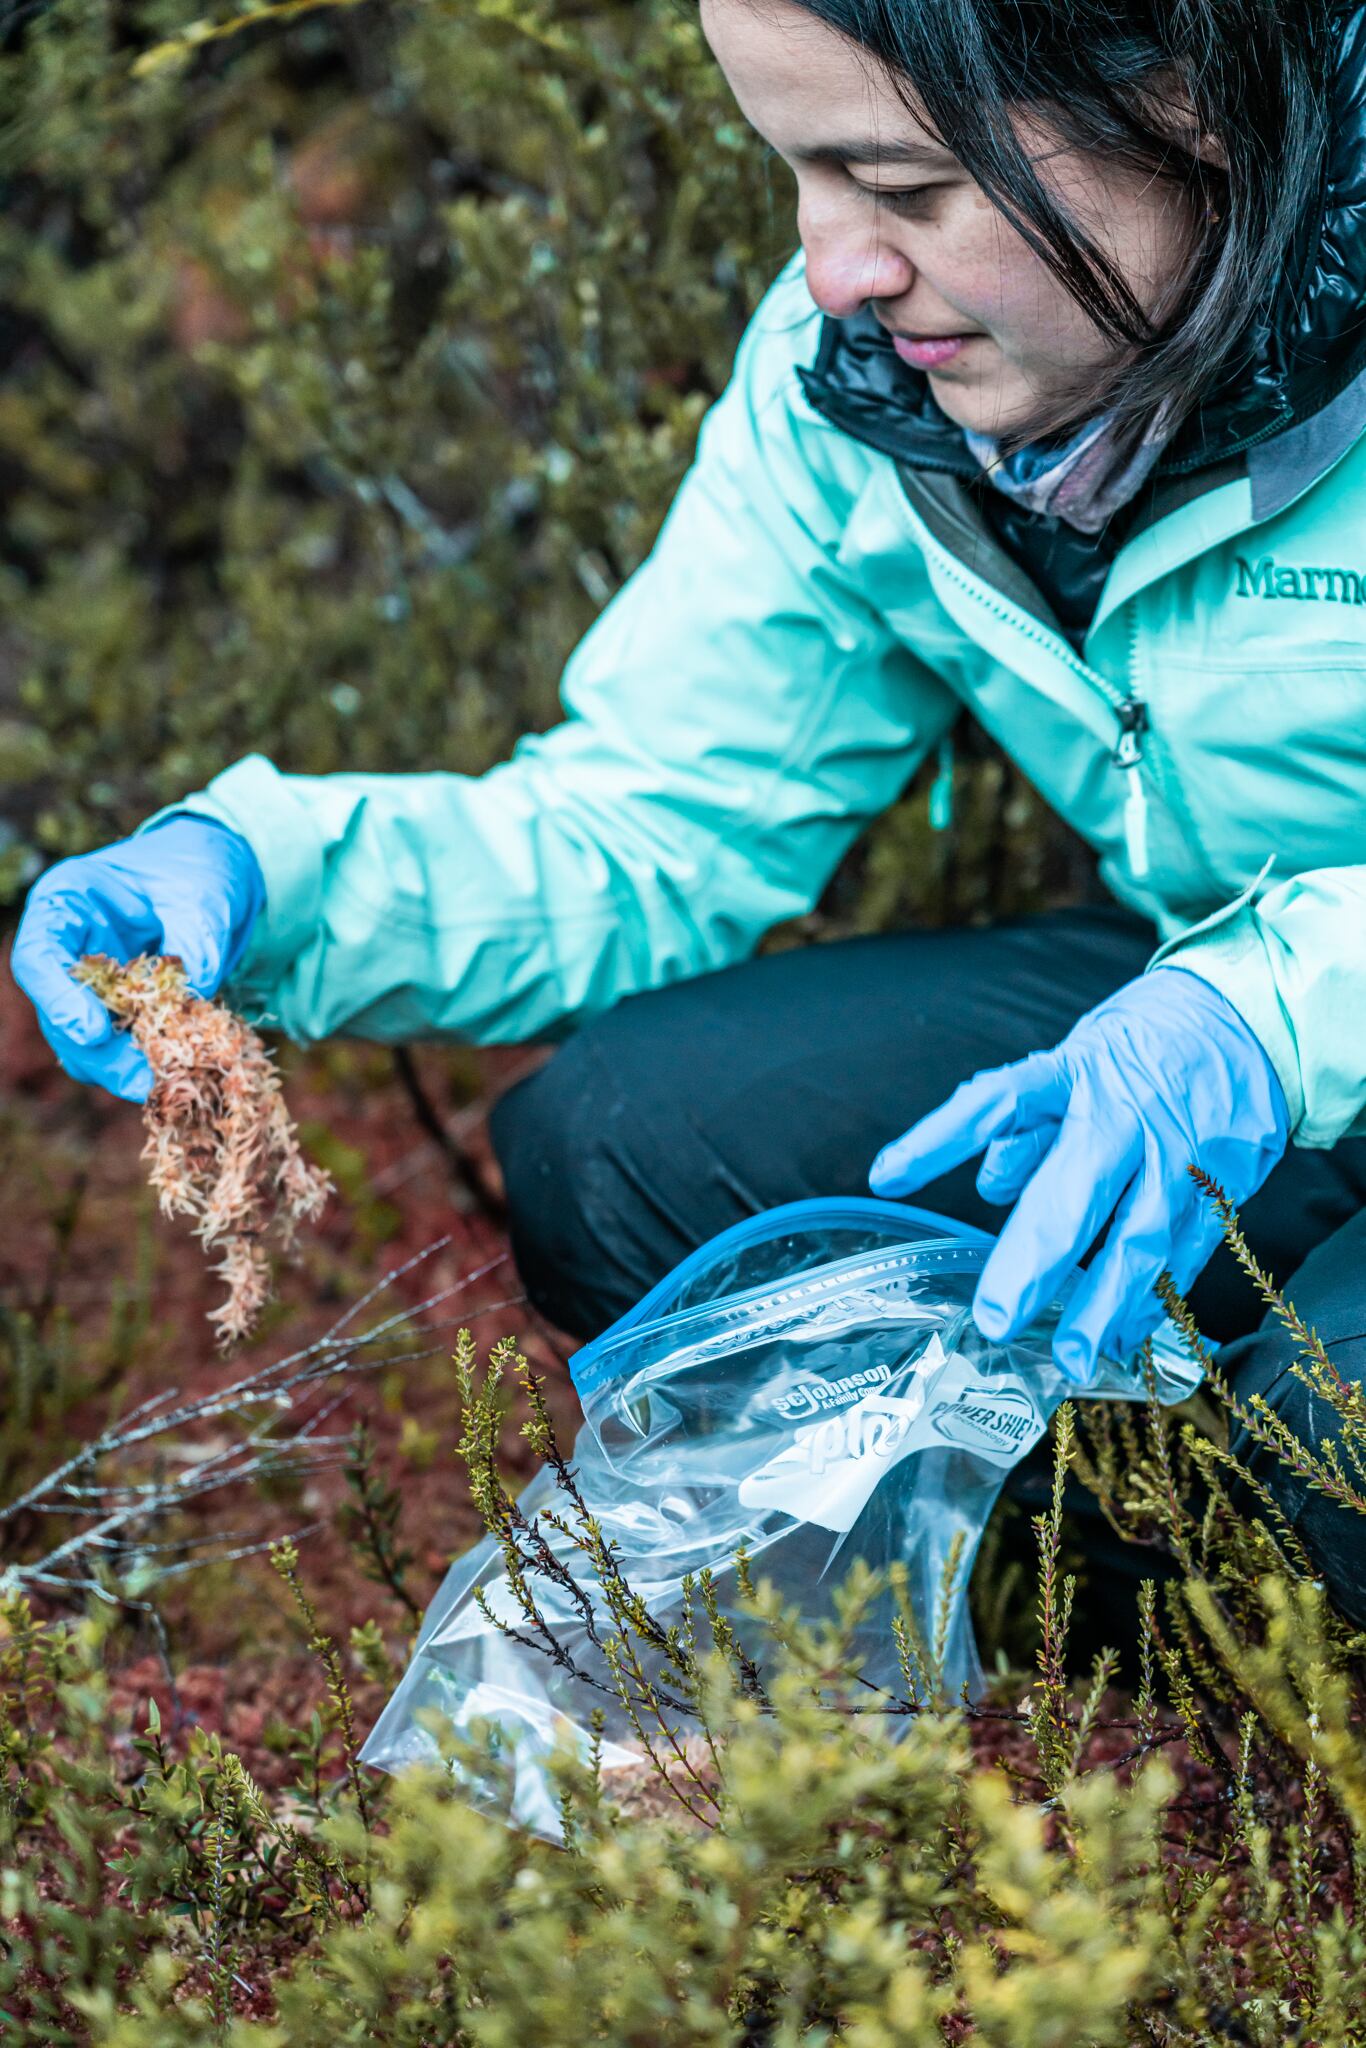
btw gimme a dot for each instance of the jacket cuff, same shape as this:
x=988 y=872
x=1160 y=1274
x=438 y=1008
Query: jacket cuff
x=1228 y=952
x=256 y=801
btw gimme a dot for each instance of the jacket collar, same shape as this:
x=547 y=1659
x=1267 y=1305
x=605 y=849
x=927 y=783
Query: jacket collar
x=1306 y=368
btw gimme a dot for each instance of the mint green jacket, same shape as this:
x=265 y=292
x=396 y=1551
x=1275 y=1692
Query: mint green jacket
x=812 y=619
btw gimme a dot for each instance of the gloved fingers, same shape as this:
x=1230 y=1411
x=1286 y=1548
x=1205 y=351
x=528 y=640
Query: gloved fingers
x=1195 y=1236
x=1115 y=1305
x=124 y=901
x=1011 y=1162
x=198 y=935
x=117 y=1064
x=54 y=932
x=996 y=1103
x=1057 y=1218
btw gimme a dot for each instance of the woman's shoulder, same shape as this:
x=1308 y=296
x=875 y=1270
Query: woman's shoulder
x=765 y=431
x=782 y=339
x=784 y=330
x=787 y=306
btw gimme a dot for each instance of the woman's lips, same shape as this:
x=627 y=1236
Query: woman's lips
x=930 y=352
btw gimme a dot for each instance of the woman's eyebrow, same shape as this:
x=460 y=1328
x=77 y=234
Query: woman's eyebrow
x=924 y=155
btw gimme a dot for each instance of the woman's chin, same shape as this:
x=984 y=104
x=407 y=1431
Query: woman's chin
x=983 y=405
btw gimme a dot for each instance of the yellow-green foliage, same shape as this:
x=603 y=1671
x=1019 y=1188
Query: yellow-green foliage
x=806 y=1868
x=349 y=364
x=854 y=1888
x=791 y=1919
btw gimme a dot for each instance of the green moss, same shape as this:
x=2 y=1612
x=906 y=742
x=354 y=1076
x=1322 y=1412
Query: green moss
x=357 y=359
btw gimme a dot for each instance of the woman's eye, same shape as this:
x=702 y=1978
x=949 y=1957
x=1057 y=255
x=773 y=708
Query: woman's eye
x=903 y=199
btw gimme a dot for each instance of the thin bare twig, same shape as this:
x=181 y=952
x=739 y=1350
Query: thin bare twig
x=280 y=1412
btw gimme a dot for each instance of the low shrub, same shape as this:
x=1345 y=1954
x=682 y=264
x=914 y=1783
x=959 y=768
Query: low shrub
x=1054 y=1864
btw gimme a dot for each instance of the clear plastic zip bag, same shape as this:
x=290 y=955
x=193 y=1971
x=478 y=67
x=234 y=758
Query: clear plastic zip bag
x=808 y=1387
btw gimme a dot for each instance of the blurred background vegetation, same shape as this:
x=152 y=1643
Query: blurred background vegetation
x=350 y=361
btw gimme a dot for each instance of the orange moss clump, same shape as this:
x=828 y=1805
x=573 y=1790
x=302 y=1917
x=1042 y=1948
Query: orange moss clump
x=221 y=1145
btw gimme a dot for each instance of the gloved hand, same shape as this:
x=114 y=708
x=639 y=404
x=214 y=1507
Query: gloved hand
x=189 y=886
x=1163 y=1074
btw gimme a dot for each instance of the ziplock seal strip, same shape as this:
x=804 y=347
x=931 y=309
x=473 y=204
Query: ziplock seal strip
x=761 y=1313
x=810 y=1212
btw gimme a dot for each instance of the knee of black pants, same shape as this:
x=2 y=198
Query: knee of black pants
x=584 y=1219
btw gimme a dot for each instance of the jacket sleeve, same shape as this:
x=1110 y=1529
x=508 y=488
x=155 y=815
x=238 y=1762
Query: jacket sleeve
x=734 y=717
x=1291 y=958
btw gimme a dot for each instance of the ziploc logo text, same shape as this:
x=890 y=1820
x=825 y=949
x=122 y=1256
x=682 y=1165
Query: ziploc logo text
x=876 y=1428
x=817 y=1397
x=829 y=1469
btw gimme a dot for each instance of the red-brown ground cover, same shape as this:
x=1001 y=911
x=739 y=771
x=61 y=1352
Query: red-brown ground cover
x=83 y=1250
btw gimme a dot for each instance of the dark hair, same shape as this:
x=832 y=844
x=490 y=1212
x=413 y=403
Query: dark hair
x=1253 y=74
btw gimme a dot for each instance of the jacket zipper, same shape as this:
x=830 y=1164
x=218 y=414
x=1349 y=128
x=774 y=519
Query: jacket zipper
x=1131 y=711
x=1165 y=777
x=1132 y=714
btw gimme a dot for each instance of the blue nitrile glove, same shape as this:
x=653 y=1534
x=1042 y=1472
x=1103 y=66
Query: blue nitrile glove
x=188 y=886
x=1163 y=1074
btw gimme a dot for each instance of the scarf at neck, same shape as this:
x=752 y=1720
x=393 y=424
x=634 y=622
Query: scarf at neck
x=1084 y=480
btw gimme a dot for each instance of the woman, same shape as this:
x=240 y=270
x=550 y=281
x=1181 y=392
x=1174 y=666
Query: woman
x=1057 y=415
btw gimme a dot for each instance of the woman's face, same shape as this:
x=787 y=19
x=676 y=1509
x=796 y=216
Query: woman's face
x=888 y=218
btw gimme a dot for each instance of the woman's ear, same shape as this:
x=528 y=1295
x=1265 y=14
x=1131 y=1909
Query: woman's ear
x=1170 y=108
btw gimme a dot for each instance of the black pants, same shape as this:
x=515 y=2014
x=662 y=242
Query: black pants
x=683 y=1110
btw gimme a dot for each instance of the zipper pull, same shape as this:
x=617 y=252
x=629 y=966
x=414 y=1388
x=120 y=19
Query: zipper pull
x=1127 y=756
x=941 y=789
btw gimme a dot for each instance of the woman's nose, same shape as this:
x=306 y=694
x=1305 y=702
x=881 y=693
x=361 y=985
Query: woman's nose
x=848 y=263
